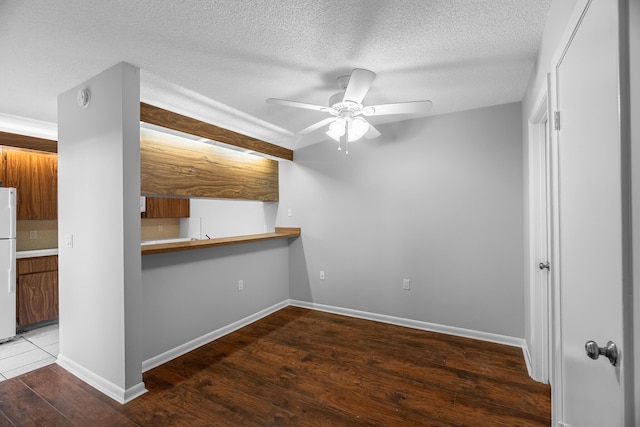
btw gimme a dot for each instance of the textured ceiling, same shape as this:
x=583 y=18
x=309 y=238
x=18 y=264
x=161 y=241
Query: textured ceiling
x=460 y=54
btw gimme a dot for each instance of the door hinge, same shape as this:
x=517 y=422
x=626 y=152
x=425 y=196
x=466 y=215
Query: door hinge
x=556 y=120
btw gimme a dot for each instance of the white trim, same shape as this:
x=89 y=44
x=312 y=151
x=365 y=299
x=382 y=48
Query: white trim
x=207 y=338
x=539 y=223
x=556 y=377
x=527 y=357
x=164 y=94
x=415 y=324
x=30 y=127
x=115 y=392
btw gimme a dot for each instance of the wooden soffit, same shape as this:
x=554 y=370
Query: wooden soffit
x=170 y=167
x=28 y=142
x=168 y=119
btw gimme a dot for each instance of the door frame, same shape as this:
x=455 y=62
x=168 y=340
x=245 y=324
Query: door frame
x=624 y=124
x=540 y=313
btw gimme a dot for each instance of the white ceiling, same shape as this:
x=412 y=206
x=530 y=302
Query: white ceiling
x=461 y=54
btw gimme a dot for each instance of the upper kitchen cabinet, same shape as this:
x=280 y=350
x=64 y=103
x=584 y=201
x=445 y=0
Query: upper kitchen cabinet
x=35 y=175
x=166 y=207
x=206 y=161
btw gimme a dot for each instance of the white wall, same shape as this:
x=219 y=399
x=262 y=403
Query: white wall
x=98 y=204
x=435 y=200
x=187 y=295
x=225 y=217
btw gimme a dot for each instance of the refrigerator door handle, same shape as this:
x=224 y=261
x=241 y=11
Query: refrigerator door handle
x=10 y=271
x=12 y=214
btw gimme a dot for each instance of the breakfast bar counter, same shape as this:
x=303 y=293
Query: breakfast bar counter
x=159 y=248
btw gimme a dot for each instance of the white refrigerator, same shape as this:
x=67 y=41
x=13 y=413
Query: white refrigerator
x=7 y=263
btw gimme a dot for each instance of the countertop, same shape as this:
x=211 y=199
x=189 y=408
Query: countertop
x=181 y=244
x=36 y=253
x=176 y=246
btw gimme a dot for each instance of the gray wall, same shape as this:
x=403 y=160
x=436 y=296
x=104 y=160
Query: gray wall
x=186 y=295
x=436 y=200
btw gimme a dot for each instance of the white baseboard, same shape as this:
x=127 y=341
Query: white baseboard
x=527 y=358
x=123 y=396
x=416 y=324
x=207 y=338
x=101 y=384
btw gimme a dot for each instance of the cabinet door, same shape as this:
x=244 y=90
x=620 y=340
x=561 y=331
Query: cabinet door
x=38 y=297
x=166 y=207
x=35 y=175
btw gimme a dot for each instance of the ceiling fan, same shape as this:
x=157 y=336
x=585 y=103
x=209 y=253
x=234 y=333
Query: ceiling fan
x=346 y=109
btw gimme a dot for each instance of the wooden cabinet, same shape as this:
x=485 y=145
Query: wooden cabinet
x=166 y=207
x=37 y=296
x=35 y=175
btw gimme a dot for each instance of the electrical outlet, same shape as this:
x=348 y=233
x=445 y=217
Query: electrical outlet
x=69 y=241
x=160 y=227
x=240 y=285
x=321 y=274
x=33 y=234
x=406 y=284
x=289 y=212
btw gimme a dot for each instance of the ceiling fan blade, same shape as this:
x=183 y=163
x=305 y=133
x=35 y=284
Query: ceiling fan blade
x=316 y=126
x=359 y=84
x=372 y=132
x=397 y=108
x=299 y=105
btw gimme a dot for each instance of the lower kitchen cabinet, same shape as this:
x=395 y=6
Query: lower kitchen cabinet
x=37 y=296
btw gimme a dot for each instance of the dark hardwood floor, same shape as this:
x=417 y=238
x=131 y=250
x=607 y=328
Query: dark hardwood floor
x=300 y=367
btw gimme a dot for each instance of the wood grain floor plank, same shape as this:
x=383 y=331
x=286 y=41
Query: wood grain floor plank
x=402 y=363
x=299 y=367
x=61 y=393
x=4 y=421
x=23 y=407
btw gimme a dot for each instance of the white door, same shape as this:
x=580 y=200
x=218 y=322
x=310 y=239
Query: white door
x=540 y=240
x=592 y=230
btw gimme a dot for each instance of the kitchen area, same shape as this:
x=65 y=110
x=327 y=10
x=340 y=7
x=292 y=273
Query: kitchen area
x=29 y=335
x=29 y=256
x=164 y=233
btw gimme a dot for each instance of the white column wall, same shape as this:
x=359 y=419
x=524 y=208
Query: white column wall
x=98 y=204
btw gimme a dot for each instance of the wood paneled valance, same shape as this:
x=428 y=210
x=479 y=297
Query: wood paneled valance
x=168 y=119
x=173 y=166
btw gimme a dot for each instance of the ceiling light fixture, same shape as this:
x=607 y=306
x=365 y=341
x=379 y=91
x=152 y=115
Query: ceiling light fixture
x=353 y=128
x=347 y=110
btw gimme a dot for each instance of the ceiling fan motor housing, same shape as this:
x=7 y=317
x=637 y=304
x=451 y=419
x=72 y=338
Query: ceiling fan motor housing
x=342 y=107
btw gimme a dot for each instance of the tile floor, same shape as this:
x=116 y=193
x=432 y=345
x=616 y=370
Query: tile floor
x=29 y=351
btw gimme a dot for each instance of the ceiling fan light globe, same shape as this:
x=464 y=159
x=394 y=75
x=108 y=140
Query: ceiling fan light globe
x=337 y=127
x=357 y=128
x=333 y=135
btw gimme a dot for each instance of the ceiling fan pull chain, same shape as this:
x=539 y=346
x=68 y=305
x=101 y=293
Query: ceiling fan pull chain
x=346 y=138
